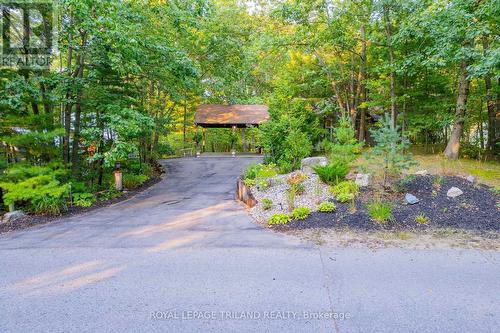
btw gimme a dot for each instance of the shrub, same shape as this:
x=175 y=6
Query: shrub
x=49 y=205
x=41 y=193
x=345 y=191
x=279 y=219
x=345 y=197
x=298 y=177
x=249 y=182
x=345 y=187
x=390 y=150
x=346 y=147
x=495 y=190
x=132 y=181
x=110 y=195
x=287 y=140
x=326 y=207
x=301 y=213
x=299 y=188
x=380 y=211
x=333 y=172
x=256 y=171
x=422 y=219
x=263 y=184
x=83 y=199
x=267 y=204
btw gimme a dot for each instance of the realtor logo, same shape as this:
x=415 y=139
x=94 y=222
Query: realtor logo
x=28 y=33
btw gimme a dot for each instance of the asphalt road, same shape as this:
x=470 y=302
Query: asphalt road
x=183 y=256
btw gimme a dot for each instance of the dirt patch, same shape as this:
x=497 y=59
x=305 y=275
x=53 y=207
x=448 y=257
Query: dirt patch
x=33 y=220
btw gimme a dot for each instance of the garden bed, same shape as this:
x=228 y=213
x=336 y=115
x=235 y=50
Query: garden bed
x=475 y=210
x=33 y=220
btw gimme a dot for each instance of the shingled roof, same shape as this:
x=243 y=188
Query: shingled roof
x=214 y=115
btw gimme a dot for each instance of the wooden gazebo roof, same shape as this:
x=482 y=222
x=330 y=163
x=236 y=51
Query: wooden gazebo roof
x=214 y=115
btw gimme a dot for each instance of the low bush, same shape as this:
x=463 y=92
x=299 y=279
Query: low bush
x=49 y=205
x=267 y=203
x=298 y=188
x=110 y=195
x=380 y=211
x=422 y=219
x=295 y=178
x=301 y=213
x=41 y=192
x=263 y=184
x=333 y=172
x=249 y=182
x=256 y=171
x=345 y=191
x=279 y=219
x=83 y=199
x=327 y=207
x=131 y=181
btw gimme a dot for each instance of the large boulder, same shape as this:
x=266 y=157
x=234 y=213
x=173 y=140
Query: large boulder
x=454 y=192
x=13 y=216
x=362 y=179
x=307 y=163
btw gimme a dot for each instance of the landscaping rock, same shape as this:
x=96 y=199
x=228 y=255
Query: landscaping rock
x=362 y=179
x=307 y=163
x=471 y=179
x=13 y=216
x=411 y=199
x=454 y=192
x=422 y=173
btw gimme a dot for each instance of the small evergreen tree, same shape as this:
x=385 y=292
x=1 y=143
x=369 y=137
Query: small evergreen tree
x=390 y=152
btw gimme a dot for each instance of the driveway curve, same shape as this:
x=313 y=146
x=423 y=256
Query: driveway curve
x=183 y=256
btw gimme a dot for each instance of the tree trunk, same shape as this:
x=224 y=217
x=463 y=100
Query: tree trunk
x=388 y=31
x=490 y=104
x=67 y=111
x=78 y=113
x=453 y=146
x=362 y=87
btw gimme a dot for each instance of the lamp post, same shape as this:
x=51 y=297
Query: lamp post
x=118 y=177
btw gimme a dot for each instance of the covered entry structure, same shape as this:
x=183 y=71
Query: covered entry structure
x=230 y=116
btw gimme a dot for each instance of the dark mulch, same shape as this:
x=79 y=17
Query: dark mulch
x=32 y=220
x=475 y=210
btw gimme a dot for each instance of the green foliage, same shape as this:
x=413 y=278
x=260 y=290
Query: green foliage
x=285 y=142
x=345 y=187
x=263 y=184
x=131 y=181
x=295 y=178
x=256 y=171
x=109 y=195
x=49 y=205
x=83 y=199
x=301 y=213
x=298 y=188
x=278 y=219
x=345 y=197
x=380 y=211
x=390 y=152
x=327 y=207
x=421 y=219
x=249 y=182
x=36 y=187
x=495 y=190
x=345 y=147
x=333 y=172
x=267 y=203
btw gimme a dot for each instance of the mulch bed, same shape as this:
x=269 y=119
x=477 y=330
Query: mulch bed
x=32 y=220
x=475 y=210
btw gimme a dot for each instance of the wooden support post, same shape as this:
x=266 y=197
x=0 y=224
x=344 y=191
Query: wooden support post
x=243 y=139
x=203 y=140
x=118 y=177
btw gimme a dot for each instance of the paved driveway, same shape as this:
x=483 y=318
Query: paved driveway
x=184 y=257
